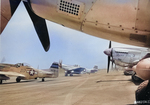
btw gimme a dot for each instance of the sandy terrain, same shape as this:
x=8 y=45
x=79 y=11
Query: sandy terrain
x=94 y=89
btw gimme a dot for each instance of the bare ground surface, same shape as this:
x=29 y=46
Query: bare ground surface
x=100 y=88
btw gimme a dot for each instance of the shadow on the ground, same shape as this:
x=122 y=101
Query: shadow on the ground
x=112 y=80
x=25 y=81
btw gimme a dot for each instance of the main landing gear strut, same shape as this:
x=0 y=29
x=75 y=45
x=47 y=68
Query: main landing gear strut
x=43 y=79
x=1 y=81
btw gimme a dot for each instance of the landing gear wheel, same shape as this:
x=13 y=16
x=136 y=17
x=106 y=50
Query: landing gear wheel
x=43 y=80
x=71 y=74
x=18 y=80
x=142 y=93
x=1 y=81
x=136 y=79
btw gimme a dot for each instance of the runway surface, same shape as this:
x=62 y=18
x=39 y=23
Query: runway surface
x=99 y=88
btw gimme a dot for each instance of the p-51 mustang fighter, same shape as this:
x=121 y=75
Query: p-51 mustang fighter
x=134 y=59
x=126 y=57
x=25 y=72
x=93 y=70
x=129 y=57
x=73 y=69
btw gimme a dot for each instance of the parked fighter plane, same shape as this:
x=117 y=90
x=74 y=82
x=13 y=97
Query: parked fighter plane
x=93 y=70
x=124 y=21
x=24 y=71
x=126 y=57
x=75 y=69
x=133 y=59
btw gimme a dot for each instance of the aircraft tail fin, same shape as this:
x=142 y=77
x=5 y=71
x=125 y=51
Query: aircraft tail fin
x=56 y=73
x=95 y=67
x=55 y=69
x=3 y=60
x=60 y=63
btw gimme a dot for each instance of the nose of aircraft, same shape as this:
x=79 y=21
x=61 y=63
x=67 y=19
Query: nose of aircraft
x=108 y=52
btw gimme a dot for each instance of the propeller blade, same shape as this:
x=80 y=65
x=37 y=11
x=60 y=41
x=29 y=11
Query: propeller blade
x=108 y=58
x=110 y=44
x=108 y=64
x=40 y=26
x=60 y=63
x=13 y=5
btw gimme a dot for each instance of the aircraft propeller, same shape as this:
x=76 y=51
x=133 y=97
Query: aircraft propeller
x=60 y=63
x=108 y=52
x=38 y=22
x=108 y=58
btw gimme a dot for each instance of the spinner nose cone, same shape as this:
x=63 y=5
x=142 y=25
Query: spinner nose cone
x=108 y=52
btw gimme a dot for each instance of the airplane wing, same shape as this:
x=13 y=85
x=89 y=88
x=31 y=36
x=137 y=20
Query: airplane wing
x=11 y=74
x=4 y=64
x=68 y=67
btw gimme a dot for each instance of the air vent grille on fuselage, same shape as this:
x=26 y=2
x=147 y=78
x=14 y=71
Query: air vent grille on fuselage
x=69 y=7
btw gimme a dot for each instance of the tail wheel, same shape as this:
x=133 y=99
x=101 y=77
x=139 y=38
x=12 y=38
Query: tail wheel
x=43 y=80
x=18 y=80
x=143 y=92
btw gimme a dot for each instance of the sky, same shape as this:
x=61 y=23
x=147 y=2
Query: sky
x=20 y=43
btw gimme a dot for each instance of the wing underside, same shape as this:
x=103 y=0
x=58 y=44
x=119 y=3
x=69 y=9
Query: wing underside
x=14 y=74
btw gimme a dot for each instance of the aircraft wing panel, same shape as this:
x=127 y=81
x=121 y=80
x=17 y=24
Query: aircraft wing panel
x=12 y=74
x=102 y=9
x=143 y=15
x=68 y=67
x=3 y=64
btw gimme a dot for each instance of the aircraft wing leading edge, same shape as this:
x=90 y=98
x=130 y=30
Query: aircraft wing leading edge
x=11 y=74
